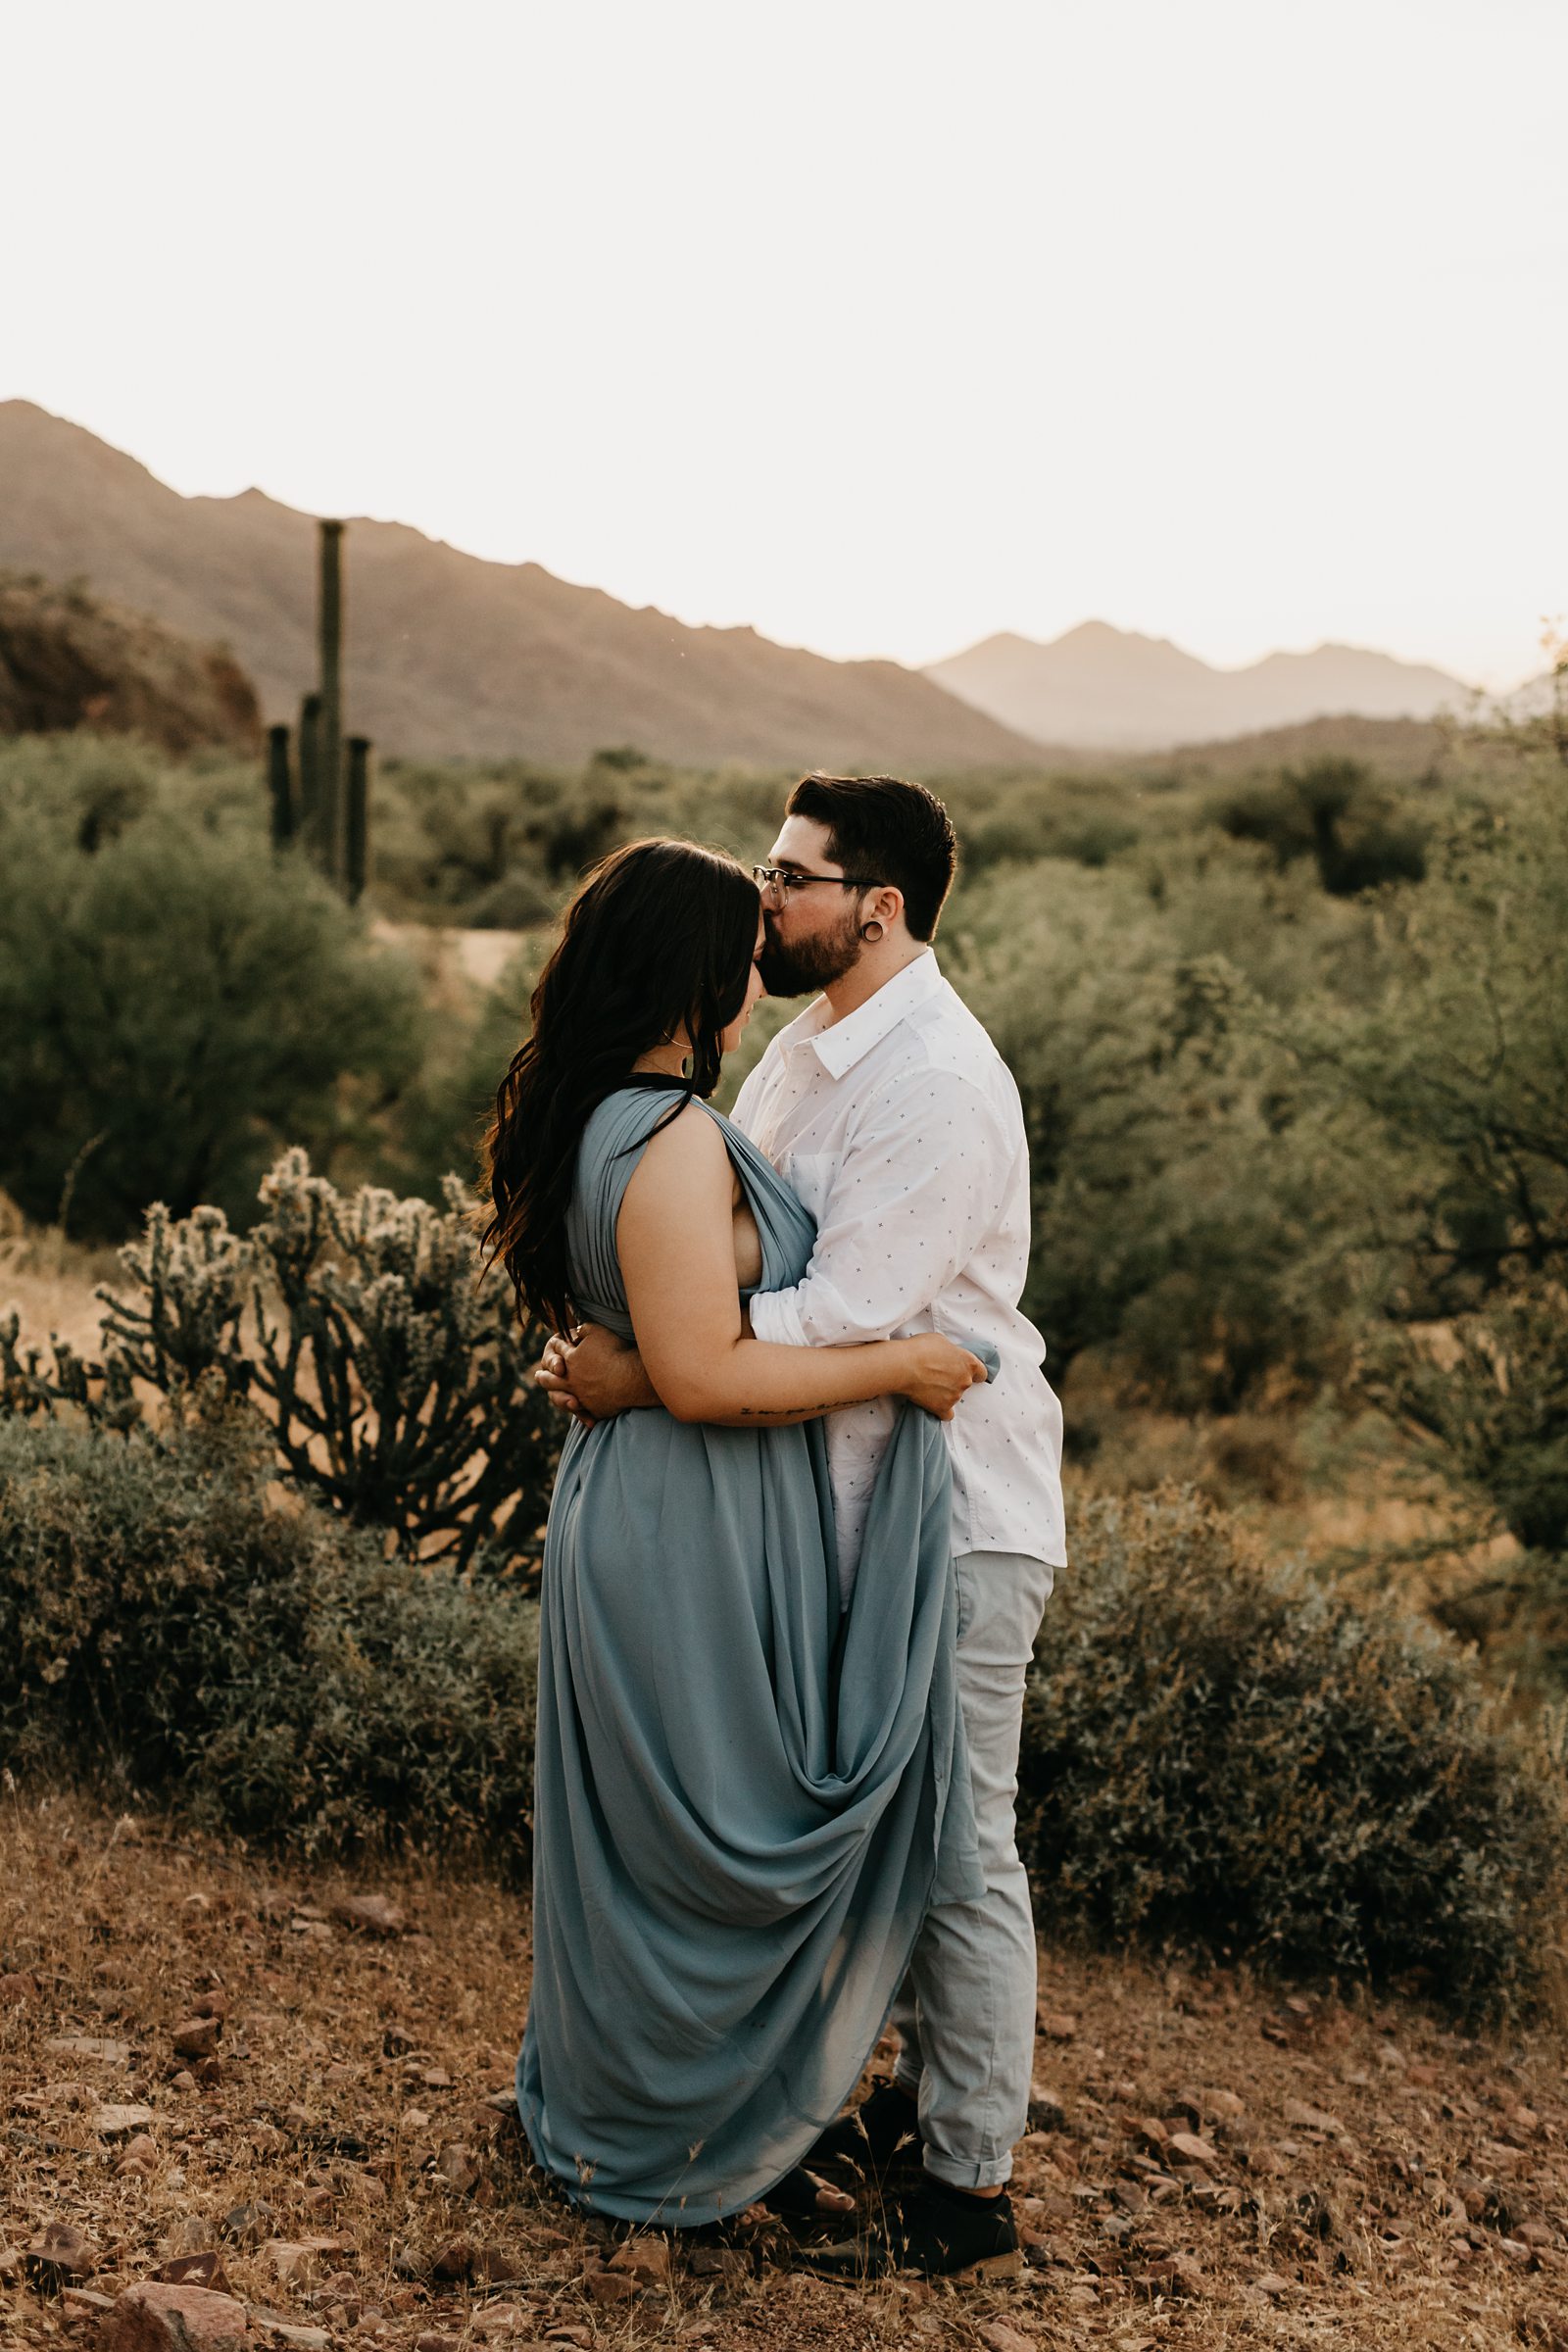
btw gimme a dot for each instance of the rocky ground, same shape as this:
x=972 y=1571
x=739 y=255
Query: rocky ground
x=244 y=2105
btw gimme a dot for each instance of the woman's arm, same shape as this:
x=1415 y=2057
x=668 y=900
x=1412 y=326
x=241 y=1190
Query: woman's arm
x=674 y=1237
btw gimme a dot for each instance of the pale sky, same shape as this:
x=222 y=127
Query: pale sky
x=875 y=324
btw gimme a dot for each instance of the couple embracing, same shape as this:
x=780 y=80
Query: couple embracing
x=800 y=1544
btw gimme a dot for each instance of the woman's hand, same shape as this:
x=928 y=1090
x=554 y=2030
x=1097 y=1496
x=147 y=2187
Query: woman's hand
x=940 y=1371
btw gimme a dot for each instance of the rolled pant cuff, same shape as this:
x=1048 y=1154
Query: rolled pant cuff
x=994 y=2174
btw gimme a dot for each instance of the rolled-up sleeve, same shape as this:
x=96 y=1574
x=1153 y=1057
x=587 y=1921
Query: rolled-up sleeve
x=919 y=1185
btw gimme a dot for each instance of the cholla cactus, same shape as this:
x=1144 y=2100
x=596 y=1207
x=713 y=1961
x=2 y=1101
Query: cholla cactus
x=103 y=1392
x=196 y=1274
x=398 y=1388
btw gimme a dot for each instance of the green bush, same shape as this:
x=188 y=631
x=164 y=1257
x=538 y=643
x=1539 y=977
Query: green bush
x=1486 y=1400
x=1181 y=1192
x=177 y=1004
x=1243 y=1760
x=1210 y=1753
x=1455 y=1069
x=1336 y=813
x=171 y=1627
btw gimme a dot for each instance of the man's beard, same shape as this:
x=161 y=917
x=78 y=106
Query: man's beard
x=810 y=965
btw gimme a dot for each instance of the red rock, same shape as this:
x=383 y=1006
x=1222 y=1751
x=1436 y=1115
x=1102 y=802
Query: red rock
x=456 y=2260
x=15 y=1988
x=247 y=2225
x=153 y=2317
x=197 y=2037
x=121 y=2123
x=372 y=1913
x=63 y=2252
x=1309 y=2119
x=609 y=2286
x=645 y=2259
x=997 y=2336
x=1192 y=2150
x=79 y=2303
x=298 y=2261
x=1058 y=2026
x=203 y=2269
x=90 y=2046
x=459 y=2167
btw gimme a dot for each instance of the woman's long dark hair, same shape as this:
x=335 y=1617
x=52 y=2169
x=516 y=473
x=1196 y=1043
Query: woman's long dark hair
x=661 y=934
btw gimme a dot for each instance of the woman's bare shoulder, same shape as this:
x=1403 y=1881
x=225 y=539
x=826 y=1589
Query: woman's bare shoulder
x=688 y=1149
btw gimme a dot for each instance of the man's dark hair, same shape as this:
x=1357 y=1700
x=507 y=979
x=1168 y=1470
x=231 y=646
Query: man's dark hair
x=895 y=832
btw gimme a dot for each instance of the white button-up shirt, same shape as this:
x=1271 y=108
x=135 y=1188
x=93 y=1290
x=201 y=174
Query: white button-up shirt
x=900 y=1128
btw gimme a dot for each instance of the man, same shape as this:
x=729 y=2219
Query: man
x=890 y=1112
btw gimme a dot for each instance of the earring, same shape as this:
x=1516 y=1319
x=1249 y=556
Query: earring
x=871 y=931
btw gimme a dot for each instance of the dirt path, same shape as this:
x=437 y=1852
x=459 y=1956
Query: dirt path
x=1215 y=2165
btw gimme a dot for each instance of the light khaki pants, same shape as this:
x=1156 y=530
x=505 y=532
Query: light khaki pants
x=966 y=2013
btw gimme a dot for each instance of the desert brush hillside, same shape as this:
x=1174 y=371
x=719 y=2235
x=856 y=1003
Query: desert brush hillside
x=448 y=655
x=69 y=660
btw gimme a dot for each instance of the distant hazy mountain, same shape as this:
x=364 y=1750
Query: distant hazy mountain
x=447 y=655
x=1108 y=689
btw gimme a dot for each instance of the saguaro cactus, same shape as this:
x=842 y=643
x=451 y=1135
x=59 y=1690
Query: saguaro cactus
x=329 y=726
x=310 y=774
x=329 y=811
x=357 y=818
x=280 y=787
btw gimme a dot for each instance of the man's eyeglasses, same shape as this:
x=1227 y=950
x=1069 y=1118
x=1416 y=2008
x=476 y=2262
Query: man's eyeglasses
x=782 y=879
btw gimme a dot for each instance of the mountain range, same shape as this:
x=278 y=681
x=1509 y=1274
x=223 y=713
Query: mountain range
x=1111 y=690
x=447 y=655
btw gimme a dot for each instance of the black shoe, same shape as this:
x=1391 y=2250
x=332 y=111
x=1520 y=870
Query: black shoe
x=879 y=2136
x=934 y=2231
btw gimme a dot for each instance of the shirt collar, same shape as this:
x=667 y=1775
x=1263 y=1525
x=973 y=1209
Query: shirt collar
x=839 y=1045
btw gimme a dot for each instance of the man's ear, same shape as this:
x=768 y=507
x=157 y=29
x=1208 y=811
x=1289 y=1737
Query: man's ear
x=884 y=906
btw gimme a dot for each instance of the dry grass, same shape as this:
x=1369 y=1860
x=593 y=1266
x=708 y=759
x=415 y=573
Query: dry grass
x=350 y=2095
x=50 y=1281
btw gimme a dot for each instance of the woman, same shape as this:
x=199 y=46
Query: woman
x=745 y=1794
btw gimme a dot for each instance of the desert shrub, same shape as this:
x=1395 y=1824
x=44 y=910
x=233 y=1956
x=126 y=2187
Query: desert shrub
x=175 y=1005
x=170 y=1625
x=1485 y=1397
x=443 y=1114
x=1337 y=813
x=1458 y=1063
x=1182 y=1189
x=397 y=1388
x=1243 y=1760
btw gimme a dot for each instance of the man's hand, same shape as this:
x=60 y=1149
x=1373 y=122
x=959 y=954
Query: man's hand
x=595 y=1376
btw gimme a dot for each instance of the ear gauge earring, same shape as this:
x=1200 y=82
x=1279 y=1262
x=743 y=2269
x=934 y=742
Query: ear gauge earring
x=872 y=930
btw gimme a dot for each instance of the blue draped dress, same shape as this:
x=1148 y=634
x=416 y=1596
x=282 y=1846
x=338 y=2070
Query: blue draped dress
x=745 y=1794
